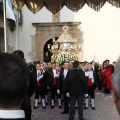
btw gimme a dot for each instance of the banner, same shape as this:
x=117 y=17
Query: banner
x=9 y=11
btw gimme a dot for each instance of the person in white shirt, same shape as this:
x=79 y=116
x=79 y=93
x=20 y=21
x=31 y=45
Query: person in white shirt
x=53 y=84
x=37 y=76
x=63 y=75
x=91 y=83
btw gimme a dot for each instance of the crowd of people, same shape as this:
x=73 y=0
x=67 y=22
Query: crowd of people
x=73 y=84
x=51 y=82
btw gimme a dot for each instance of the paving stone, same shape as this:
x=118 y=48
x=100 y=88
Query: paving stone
x=105 y=110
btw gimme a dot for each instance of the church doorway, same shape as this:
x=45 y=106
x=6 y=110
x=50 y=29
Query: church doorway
x=46 y=53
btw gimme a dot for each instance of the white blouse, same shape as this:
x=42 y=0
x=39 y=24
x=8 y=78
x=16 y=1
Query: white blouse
x=90 y=75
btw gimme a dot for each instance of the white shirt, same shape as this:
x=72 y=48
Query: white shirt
x=93 y=67
x=55 y=73
x=65 y=73
x=38 y=74
x=12 y=114
x=90 y=75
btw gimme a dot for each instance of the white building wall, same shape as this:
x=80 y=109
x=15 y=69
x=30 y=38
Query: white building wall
x=28 y=30
x=101 y=30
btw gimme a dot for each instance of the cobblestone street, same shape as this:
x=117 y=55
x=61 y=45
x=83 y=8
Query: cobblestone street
x=105 y=110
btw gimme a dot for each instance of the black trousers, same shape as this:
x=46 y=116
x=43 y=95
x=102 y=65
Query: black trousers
x=100 y=83
x=91 y=91
x=54 y=92
x=40 y=90
x=66 y=102
x=80 y=100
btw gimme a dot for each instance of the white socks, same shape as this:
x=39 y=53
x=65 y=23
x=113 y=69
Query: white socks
x=43 y=102
x=36 y=102
x=93 y=102
x=76 y=105
x=86 y=101
x=59 y=102
x=52 y=102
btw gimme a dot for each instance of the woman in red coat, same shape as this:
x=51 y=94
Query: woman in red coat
x=107 y=77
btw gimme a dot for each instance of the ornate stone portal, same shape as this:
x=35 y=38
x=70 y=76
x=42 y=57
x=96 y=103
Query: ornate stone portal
x=46 y=31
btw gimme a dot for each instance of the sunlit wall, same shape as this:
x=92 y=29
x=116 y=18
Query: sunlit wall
x=101 y=30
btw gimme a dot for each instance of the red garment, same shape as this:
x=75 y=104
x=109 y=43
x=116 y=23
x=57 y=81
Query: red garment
x=55 y=81
x=107 y=75
x=102 y=75
x=37 y=83
x=90 y=82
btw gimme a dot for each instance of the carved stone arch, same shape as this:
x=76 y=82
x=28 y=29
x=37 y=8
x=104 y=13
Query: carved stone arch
x=46 y=31
x=43 y=42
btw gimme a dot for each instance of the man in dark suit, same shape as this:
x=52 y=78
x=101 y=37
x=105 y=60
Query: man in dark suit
x=62 y=83
x=13 y=86
x=38 y=77
x=76 y=89
x=95 y=72
x=53 y=80
x=45 y=77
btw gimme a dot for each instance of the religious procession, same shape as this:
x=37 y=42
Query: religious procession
x=59 y=60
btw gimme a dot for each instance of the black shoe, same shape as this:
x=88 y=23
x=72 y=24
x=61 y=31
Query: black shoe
x=99 y=88
x=93 y=108
x=108 y=92
x=65 y=112
x=76 y=107
x=46 y=103
x=35 y=107
x=60 y=106
x=85 y=108
x=44 y=107
x=104 y=91
x=39 y=102
x=52 y=107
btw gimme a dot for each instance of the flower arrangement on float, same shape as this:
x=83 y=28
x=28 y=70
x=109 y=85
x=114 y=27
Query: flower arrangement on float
x=64 y=57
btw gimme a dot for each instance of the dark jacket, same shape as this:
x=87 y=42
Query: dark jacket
x=31 y=86
x=76 y=83
x=95 y=73
x=50 y=79
x=34 y=78
x=62 y=82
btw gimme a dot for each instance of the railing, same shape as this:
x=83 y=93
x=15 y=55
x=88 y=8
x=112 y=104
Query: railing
x=10 y=49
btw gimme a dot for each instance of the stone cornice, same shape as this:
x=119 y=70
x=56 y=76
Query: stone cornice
x=48 y=24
